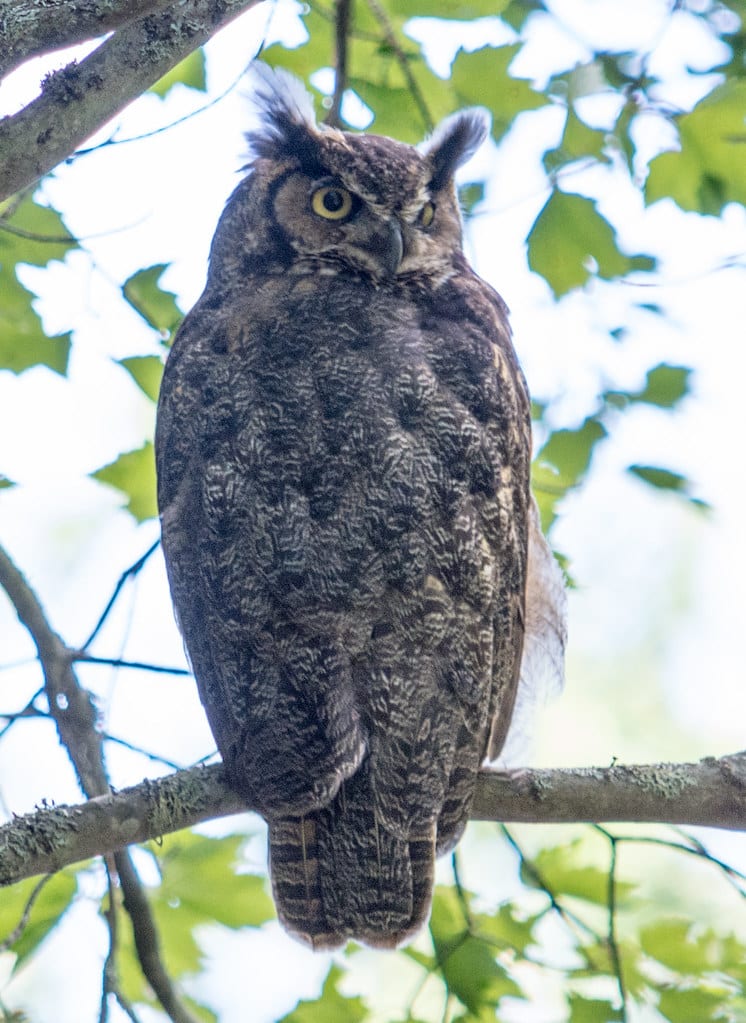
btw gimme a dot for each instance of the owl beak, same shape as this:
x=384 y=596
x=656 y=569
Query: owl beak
x=388 y=247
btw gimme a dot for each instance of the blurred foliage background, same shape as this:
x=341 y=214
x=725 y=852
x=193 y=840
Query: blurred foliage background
x=609 y=211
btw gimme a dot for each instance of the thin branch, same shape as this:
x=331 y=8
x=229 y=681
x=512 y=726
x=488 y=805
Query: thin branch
x=116 y=662
x=78 y=99
x=109 y=973
x=155 y=757
x=70 y=704
x=129 y=573
x=570 y=919
x=420 y=102
x=614 y=952
x=146 y=938
x=342 y=11
x=20 y=927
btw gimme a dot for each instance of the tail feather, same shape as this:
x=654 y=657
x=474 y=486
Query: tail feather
x=338 y=874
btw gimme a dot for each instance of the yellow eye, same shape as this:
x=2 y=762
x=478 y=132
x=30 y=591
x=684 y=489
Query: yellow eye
x=427 y=214
x=331 y=202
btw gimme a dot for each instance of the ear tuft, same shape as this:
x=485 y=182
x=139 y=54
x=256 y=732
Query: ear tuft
x=285 y=109
x=454 y=141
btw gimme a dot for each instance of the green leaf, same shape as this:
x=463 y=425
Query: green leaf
x=665 y=386
x=189 y=72
x=35 y=235
x=675 y=942
x=482 y=78
x=559 y=869
x=578 y=141
x=508 y=929
x=568 y=237
x=460 y=10
x=380 y=83
x=134 y=474
x=469 y=197
x=48 y=908
x=199 y=885
x=663 y=479
x=329 y=1007
x=156 y=305
x=146 y=371
x=562 y=463
x=234 y=900
x=467 y=960
x=5 y=482
x=622 y=133
x=591 y=1010
x=708 y=170
x=694 y=1005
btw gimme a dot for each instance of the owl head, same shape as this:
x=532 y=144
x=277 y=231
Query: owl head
x=320 y=200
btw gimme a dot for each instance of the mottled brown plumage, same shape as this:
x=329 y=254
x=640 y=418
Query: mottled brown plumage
x=343 y=450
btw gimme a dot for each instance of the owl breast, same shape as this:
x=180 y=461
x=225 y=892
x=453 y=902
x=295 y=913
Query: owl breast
x=344 y=485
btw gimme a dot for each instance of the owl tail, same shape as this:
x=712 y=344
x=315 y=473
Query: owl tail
x=337 y=874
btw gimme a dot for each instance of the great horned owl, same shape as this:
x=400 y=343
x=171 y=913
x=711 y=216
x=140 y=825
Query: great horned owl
x=343 y=451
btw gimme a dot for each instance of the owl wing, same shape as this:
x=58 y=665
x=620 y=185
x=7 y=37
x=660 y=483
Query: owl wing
x=276 y=685
x=495 y=392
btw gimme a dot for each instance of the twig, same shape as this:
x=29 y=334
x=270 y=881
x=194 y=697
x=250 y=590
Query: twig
x=80 y=657
x=155 y=757
x=29 y=711
x=571 y=920
x=75 y=716
x=611 y=938
x=403 y=60
x=20 y=927
x=128 y=573
x=146 y=938
x=342 y=11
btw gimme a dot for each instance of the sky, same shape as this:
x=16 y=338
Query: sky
x=655 y=657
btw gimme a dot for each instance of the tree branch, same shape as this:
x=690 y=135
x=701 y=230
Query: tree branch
x=74 y=713
x=711 y=793
x=78 y=99
x=341 y=42
x=29 y=28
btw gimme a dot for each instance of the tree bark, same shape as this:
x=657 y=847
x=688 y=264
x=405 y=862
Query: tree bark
x=29 y=28
x=711 y=793
x=80 y=98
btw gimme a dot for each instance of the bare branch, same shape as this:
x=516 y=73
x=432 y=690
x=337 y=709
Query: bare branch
x=342 y=12
x=420 y=102
x=147 y=943
x=78 y=99
x=75 y=716
x=70 y=704
x=129 y=573
x=31 y=27
x=711 y=793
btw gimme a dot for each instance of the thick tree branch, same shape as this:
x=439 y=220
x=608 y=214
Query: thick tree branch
x=29 y=28
x=77 y=100
x=711 y=793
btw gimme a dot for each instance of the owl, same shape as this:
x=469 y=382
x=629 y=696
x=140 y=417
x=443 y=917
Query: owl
x=343 y=447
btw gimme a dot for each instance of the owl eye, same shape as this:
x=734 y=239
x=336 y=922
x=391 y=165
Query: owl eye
x=427 y=214
x=331 y=202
